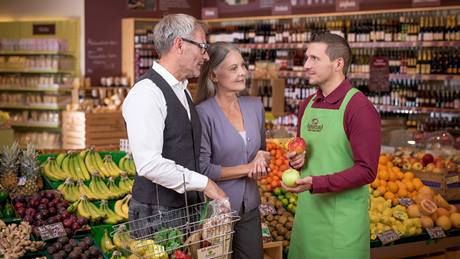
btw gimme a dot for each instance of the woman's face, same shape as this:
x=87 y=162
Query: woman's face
x=230 y=75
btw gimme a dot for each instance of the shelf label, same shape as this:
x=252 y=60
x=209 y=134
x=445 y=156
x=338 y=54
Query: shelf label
x=346 y=5
x=436 y=232
x=52 y=231
x=209 y=13
x=281 y=9
x=388 y=236
x=405 y=201
x=379 y=78
x=452 y=179
x=44 y=29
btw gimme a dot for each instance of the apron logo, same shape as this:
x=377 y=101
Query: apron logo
x=314 y=125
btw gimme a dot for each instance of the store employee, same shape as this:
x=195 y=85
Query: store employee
x=342 y=129
x=163 y=127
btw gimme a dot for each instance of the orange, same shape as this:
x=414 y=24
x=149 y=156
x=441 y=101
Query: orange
x=409 y=175
x=395 y=169
x=389 y=164
x=376 y=183
x=393 y=187
x=278 y=162
x=402 y=193
x=383 y=183
x=400 y=175
x=383 y=159
x=383 y=175
x=392 y=176
x=417 y=183
x=388 y=196
x=382 y=189
x=410 y=186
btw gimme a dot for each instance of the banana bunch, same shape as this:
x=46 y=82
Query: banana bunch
x=73 y=164
x=111 y=167
x=125 y=183
x=126 y=164
x=115 y=189
x=100 y=189
x=85 y=190
x=106 y=243
x=94 y=163
x=122 y=206
x=53 y=171
x=87 y=209
x=110 y=217
x=69 y=190
x=121 y=238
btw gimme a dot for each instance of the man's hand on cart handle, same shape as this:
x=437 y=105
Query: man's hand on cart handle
x=213 y=191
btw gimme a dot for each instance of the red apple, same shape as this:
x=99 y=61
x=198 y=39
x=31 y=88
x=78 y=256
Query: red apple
x=290 y=176
x=297 y=145
x=427 y=158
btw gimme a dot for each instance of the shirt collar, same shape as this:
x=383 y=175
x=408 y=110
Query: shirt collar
x=168 y=77
x=336 y=95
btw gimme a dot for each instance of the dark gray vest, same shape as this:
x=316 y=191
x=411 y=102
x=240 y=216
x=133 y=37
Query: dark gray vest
x=181 y=143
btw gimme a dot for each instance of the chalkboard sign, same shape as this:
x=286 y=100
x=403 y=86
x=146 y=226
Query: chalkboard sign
x=51 y=231
x=436 y=232
x=379 y=80
x=267 y=209
x=388 y=236
x=44 y=29
x=405 y=201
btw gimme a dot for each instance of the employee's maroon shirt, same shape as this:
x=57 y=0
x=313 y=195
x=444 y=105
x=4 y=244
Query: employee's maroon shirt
x=362 y=127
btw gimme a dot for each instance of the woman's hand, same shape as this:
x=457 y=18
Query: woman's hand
x=259 y=166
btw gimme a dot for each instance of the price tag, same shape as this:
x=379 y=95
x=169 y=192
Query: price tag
x=388 y=236
x=453 y=179
x=52 y=231
x=405 y=201
x=22 y=181
x=436 y=232
x=266 y=209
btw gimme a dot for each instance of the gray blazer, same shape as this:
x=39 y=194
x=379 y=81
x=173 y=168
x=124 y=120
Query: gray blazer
x=222 y=145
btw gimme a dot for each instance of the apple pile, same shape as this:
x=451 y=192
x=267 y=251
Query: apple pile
x=47 y=207
x=425 y=162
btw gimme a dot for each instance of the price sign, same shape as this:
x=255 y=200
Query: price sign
x=388 y=236
x=436 y=232
x=22 y=181
x=52 y=231
x=379 y=78
x=266 y=209
x=405 y=201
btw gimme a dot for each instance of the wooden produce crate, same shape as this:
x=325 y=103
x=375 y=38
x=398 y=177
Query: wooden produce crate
x=445 y=183
x=103 y=129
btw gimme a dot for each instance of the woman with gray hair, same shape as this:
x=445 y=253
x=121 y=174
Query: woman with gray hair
x=164 y=130
x=232 y=142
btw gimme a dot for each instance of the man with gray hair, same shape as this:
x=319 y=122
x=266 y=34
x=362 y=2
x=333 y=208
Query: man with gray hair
x=163 y=127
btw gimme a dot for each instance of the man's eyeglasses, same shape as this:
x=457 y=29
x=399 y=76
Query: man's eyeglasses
x=203 y=46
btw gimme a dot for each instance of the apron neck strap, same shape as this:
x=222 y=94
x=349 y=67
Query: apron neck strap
x=347 y=98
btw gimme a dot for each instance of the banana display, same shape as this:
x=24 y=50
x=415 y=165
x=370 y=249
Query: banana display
x=97 y=189
x=84 y=208
x=82 y=165
x=121 y=206
x=126 y=164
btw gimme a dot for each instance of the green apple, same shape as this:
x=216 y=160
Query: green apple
x=290 y=176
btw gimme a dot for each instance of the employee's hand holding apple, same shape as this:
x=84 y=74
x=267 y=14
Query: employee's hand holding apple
x=296 y=152
x=292 y=182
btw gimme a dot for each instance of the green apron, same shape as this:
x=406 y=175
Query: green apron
x=329 y=225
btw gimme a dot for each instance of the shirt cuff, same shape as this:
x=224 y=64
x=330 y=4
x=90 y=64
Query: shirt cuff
x=197 y=182
x=318 y=184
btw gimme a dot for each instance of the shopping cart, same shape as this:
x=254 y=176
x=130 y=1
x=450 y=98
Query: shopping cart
x=202 y=231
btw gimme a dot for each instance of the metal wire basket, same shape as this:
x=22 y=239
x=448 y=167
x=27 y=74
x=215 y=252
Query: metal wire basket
x=196 y=230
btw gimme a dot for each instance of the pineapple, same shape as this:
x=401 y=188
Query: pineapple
x=9 y=166
x=31 y=171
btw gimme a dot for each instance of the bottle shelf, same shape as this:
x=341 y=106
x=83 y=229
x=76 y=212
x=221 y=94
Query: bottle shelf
x=285 y=73
x=33 y=124
x=403 y=44
x=33 y=71
x=49 y=89
x=391 y=108
x=46 y=107
x=32 y=53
